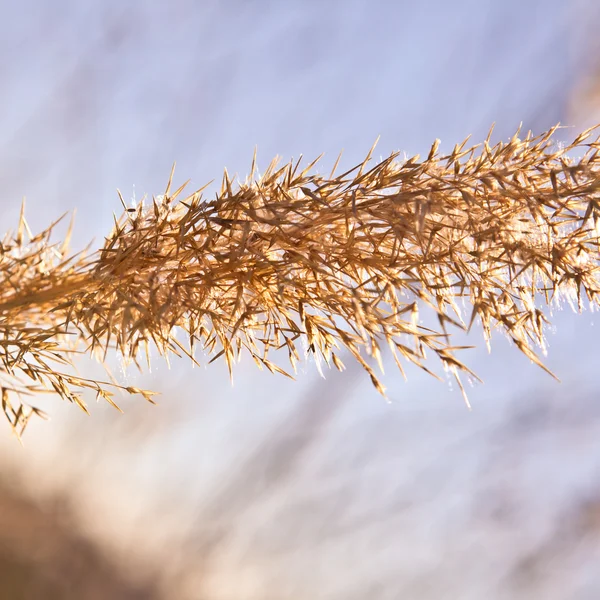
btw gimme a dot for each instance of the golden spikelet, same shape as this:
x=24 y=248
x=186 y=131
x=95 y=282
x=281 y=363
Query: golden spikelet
x=340 y=262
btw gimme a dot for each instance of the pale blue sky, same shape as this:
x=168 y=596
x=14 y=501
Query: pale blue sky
x=98 y=95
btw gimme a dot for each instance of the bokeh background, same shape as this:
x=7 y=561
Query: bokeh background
x=273 y=490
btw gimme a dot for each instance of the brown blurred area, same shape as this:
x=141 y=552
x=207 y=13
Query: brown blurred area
x=42 y=556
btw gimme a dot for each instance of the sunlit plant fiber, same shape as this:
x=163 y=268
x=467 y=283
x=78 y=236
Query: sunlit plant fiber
x=340 y=262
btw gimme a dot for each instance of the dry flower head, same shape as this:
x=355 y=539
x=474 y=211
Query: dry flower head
x=342 y=263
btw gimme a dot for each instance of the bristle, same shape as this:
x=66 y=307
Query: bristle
x=337 y=263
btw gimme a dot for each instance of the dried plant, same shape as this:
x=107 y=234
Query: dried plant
x=340 y=262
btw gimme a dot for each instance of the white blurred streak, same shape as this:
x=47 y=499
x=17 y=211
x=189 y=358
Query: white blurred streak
x=307 y=490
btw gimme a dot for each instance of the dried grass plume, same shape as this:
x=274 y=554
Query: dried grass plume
x=342 y=263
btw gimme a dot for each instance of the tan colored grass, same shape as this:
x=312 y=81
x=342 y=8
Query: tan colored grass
x=342 y=263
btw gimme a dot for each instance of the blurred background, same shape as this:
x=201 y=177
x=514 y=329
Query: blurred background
x=268 y=489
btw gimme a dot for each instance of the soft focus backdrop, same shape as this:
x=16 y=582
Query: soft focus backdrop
x=273 y=490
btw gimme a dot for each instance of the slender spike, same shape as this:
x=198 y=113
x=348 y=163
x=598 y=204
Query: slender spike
x=168 y=189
